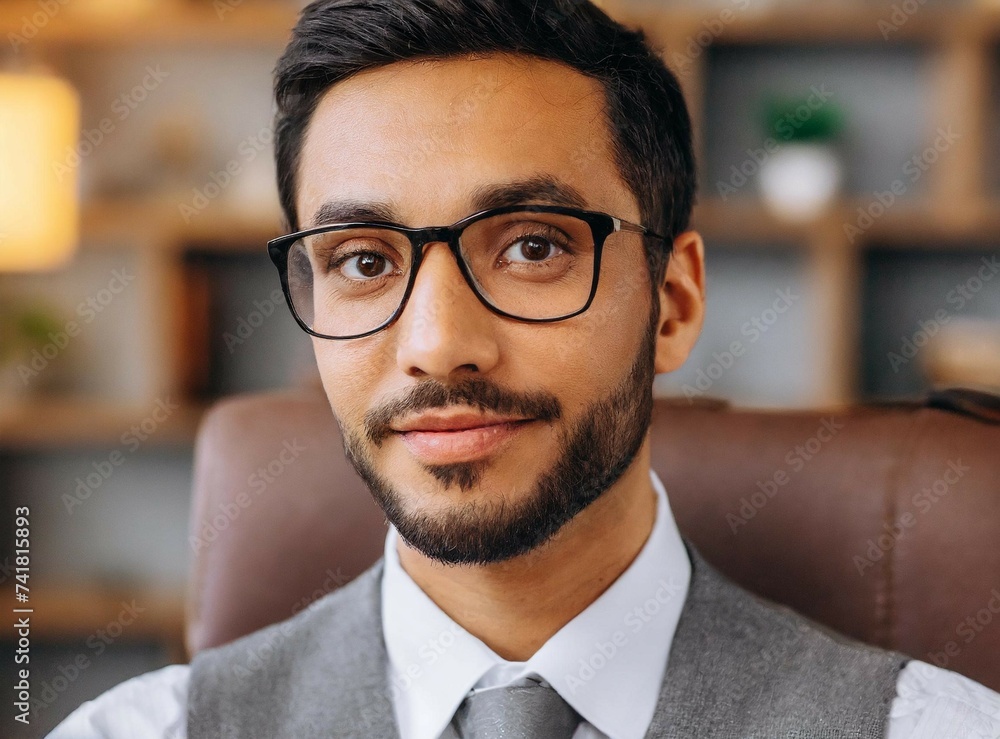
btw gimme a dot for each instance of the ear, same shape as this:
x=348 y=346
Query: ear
x=682 y=302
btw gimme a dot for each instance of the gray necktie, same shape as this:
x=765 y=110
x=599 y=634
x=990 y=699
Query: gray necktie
x=530 y=711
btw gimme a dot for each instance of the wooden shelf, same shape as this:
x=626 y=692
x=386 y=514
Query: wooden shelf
x=747 y=221
x=807 y=22
x=907 y=223
x=77 y=422
x=110 y=614
x=916 y=227
x=177 y=23
x=153 y=224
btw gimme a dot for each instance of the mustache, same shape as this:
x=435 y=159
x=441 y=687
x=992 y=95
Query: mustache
x=476 y=392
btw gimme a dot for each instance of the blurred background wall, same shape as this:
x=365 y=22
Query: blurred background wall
x=849 y=198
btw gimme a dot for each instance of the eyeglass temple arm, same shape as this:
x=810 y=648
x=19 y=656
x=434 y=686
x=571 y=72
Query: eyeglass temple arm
x=621 y=225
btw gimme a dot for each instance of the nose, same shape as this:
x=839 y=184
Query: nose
x=444 y=331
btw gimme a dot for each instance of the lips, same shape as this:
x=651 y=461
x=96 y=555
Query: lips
x=459 y=439
x=453 y=422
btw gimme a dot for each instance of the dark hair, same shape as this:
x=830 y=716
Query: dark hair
x=651 y=129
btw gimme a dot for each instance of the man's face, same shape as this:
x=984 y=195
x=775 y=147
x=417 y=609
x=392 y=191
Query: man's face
x=425 y=139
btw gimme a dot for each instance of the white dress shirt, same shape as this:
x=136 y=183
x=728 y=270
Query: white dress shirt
x=608 y=662
x=434 y=663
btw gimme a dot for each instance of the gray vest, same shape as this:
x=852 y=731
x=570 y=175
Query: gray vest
x=739 y=666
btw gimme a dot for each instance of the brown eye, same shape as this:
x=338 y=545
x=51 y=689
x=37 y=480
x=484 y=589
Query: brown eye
x=530 y=249
x=364 y=266
x=371 y=265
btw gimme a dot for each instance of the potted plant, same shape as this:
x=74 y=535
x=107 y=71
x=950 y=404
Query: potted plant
x=802 y=173
x=22 y=330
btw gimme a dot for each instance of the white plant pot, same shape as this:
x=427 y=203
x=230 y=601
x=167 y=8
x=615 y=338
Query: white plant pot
x=799 y=181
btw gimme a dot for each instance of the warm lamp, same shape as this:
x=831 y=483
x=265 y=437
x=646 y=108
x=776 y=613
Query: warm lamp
x=39 y=212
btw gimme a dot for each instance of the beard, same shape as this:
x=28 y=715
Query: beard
x=593 y=455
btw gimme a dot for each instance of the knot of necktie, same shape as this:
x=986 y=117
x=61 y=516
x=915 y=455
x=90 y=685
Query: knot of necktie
x=532 y=711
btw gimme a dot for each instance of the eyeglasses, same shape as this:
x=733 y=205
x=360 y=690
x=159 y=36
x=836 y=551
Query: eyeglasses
x=534 y=263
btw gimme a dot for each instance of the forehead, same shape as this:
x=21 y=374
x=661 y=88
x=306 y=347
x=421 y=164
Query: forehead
x=425 y=137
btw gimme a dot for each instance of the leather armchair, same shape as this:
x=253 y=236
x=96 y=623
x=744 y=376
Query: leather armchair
x=881 y=521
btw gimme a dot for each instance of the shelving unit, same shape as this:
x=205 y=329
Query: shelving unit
x=961 y=204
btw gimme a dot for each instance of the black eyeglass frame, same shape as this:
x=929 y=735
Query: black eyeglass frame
x=601 y=225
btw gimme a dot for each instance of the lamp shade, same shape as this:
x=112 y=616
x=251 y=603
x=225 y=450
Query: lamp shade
x=39 y=212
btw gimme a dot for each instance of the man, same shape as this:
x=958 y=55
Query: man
x=497 y=402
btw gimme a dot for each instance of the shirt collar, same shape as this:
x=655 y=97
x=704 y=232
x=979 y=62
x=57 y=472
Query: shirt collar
x=608 y=662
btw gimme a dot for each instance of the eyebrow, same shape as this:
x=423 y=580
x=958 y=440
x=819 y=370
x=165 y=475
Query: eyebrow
x=544 y=189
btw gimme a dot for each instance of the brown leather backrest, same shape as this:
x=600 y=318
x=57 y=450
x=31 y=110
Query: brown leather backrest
x=882 y=522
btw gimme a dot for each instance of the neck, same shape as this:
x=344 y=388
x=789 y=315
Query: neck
x=515 y=606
